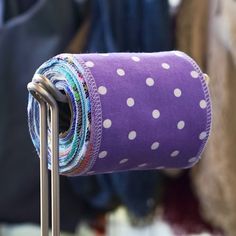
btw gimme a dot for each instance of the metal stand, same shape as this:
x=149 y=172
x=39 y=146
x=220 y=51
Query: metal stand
x=47 y=95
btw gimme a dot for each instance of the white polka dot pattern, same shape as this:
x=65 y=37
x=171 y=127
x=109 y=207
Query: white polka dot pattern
x=194 y=74
x=142 y=165
x=120 y=72
x=174 y=153
x=102 y=90
x=123 y=161
x=203 y=104
x=130 y=102
x=192 y=159
x=155 y=114
x=107 y=123
x=134 y=58
x=165 y=66
x=202 y=135
x=89 y=64
x=150 y=82
x=181 y=124
x=159 y=167
x=177 y=92
x=102 y=154
x=132 y=135
x=155 y=146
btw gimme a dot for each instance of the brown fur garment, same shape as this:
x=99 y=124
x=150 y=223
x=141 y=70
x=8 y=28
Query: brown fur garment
x=206 y=29
x=215 y=176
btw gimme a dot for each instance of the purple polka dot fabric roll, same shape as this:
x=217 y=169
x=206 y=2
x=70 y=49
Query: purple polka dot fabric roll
x=130 y=111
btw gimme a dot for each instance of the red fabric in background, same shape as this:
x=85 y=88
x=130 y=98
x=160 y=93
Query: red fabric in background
x=181 y=208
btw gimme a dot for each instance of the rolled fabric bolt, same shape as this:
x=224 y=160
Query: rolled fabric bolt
x=127 y=111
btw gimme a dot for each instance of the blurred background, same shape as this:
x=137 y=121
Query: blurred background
x=200 y=201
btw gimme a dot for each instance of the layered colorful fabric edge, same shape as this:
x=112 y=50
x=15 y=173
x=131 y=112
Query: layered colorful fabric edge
x=79 y=147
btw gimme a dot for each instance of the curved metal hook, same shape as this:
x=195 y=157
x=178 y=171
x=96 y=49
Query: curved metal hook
x=39 y=91
x=50 y=87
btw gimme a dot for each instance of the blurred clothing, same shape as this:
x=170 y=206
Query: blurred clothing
x=192 y=29
x=27 y=39
x=30 y=34
x=127 y=25
x=14 y=8
x=178 y=215
x=218 y=168
x=181 y=209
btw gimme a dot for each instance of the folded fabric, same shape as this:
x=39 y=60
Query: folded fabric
x=128 y=111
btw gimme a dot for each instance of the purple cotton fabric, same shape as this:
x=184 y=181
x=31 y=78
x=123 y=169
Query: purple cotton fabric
x=148 y=111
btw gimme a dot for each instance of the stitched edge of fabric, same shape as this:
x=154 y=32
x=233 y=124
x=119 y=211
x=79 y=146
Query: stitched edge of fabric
x=96 y=114
x=208 y=108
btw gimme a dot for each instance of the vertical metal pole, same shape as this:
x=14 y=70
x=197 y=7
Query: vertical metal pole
x=55 y=186
x=40 y=92
x=43 y=169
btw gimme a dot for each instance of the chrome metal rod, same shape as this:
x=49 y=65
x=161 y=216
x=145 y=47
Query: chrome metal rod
x=44 y=213
x=55 y=172
x=43 y=170
x=44 y=98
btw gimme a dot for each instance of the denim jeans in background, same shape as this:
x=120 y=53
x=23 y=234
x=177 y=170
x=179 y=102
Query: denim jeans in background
x=127 y=25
